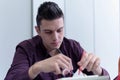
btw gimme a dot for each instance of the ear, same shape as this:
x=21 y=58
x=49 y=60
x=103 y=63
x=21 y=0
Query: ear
x=37 y=29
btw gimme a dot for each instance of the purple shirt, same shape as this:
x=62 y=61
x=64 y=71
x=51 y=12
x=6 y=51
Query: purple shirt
x=30 y=51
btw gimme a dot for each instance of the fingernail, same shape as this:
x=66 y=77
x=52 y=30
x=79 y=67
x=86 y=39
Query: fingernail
x=81 y=68
x=65 y=71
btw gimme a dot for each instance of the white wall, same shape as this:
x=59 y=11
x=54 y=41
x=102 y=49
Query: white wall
x=15 y=26
x=95 y=24
x=80 y=22
x=107 y=34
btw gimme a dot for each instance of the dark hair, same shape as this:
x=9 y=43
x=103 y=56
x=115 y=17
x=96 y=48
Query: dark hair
x=48 y=11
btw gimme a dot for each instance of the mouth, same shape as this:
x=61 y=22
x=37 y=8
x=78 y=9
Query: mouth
x=55 y=44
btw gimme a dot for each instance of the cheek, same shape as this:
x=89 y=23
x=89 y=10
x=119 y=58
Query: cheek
x=61 y=35
x=45 y=40
x=45 y=37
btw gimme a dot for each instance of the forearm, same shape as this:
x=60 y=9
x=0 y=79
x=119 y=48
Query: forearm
x=17 y=75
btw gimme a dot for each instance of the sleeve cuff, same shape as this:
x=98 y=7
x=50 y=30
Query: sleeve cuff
x=105 y=73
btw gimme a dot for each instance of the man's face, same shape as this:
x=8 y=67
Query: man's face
x=52 y=32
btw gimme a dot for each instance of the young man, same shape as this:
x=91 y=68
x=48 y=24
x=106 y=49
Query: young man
x=37 y=59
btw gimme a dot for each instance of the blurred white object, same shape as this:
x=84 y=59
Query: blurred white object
x=83 y=76
x=76 y=74
x=86 y=78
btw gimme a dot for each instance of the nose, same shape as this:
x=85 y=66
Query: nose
x=55 y=36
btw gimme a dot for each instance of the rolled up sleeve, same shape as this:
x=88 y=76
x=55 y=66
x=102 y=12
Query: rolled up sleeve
x=20 y=66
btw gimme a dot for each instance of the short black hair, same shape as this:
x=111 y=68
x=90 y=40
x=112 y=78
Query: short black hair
x=48 y=11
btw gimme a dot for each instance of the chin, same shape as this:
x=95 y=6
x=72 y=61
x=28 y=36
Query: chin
x=56 y=47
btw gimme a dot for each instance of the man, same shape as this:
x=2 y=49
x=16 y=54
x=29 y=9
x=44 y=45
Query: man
x=37 y=58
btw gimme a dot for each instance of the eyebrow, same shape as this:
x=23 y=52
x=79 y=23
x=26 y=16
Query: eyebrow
x=51 y=30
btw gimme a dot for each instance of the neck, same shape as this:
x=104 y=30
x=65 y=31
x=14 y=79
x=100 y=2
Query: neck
x=53 y=52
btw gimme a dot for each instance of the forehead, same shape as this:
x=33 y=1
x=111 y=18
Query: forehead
x=52 y=24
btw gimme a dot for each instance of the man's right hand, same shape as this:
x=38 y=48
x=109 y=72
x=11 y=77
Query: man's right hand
x=53 y=64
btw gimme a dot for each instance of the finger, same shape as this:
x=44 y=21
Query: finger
x=96 y=68
x=96 y=64
x=91 y=62
x=84 y=61
x=57 y=69
x=66 y=60
x=62 y=64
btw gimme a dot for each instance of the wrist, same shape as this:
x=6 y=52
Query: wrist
x=98 y=71
x=34 y=70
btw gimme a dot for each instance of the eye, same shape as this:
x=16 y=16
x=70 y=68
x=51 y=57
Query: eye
x=59 y=30
x=48 y=32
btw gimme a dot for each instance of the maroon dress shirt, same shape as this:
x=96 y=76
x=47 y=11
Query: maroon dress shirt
x=30 y=51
